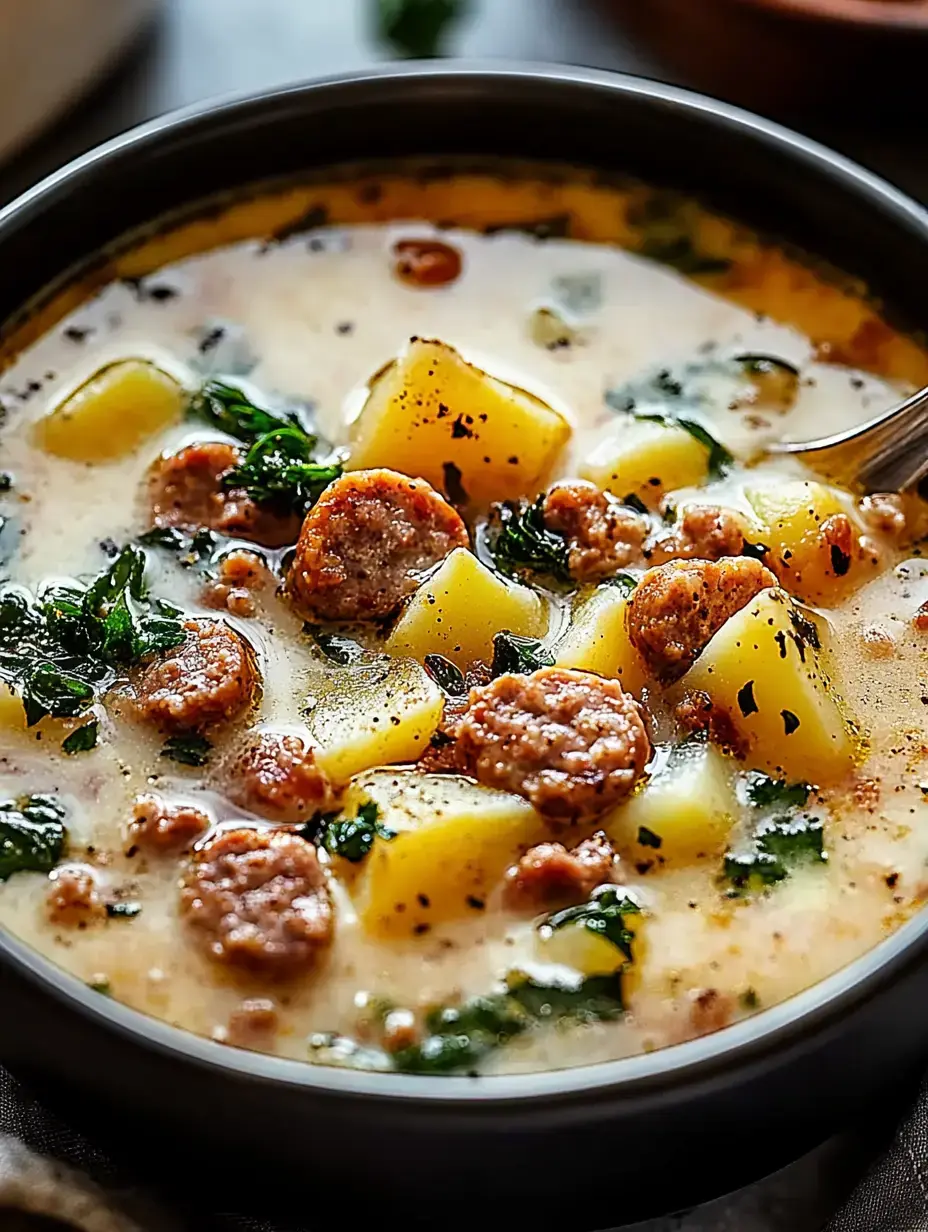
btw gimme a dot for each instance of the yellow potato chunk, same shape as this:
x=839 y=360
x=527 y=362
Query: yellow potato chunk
x=597 y=639
x=765 y=668
x=112 y=414
x=790 y=518
x=685 y=810
x=454 y=840
x=430 y=408
x=589 y=953
x=377 y=717
x=584 y=951
x=646 y=460
x=13 y=719
x=458 y=610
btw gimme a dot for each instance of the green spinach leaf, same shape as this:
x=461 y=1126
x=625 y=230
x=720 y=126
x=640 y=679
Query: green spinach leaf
x=522 y=655
x=32 y=835
x=188 y=749
x=777 y=846
x=449 y=678
x=82 y=739
x=353 y=837
x=519 y=540
x=231 y=411
x=764 y=792
x=279 y=470
x=460 y=1036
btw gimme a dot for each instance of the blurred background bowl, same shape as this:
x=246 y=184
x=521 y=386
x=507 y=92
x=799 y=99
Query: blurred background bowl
x=787 y=56
x=51 y=51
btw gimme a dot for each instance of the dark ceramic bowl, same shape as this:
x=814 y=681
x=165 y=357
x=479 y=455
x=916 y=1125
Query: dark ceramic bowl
x=587 y=1147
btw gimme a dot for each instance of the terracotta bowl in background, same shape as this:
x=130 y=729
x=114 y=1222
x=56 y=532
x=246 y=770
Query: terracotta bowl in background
x=789 y=56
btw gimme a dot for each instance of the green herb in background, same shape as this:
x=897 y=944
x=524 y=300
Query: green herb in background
x=783 y=838
x=417 y=28
x=32 y=835
x=777 y=846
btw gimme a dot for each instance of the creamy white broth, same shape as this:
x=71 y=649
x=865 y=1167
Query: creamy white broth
x=312 y=322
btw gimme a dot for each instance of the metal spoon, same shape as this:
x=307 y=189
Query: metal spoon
x=886 y=454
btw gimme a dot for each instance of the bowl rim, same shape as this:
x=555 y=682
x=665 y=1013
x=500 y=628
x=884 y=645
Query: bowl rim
x=745 y=1043
x=898 y=15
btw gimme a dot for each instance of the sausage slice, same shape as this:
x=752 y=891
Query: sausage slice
x=602 y=534
x=159 y=827
x=678 y=607
x=276 y=776
x=365 y=543
x=209 y=678
x=550 y=874
x=572 y=743
x=185 y=489
x=258 y=899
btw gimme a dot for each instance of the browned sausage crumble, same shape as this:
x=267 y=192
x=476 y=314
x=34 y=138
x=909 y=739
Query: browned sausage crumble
x=210 y=678
x=258 y=899
x=550 y=874
x=572 y=743
x=253 y=1025
x=239 y=576
x=705 y=532
x=427 y=263
x=602 y=534
x=276 y=776
x=698 y=714
x=157 y=826
x=367 y=541
x=74 y=898
x=186 y=490
x=678 y=607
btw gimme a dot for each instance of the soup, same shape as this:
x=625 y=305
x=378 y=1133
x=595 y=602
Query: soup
x=411 y=656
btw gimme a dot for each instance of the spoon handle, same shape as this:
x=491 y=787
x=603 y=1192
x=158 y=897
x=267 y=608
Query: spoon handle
x=890 y=452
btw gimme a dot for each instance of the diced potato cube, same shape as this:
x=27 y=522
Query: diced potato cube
x=597 y=639
x=113 y=413
x=430 y=409
x=459 y=609
x=684 y=812
x=765 y=668
x=646 y=460
x=377 y=717
x=790 y=518
x=454 y=840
